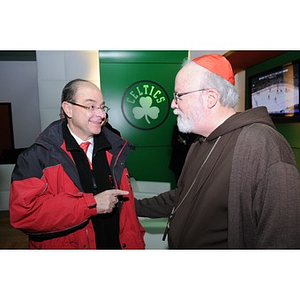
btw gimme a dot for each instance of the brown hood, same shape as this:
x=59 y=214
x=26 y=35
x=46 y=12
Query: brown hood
x=254 y=115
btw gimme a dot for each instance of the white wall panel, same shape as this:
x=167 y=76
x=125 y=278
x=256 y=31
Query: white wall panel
x=55 y=70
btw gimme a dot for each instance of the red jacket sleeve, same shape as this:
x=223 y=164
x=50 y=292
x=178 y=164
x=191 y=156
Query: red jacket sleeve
x=50 y=204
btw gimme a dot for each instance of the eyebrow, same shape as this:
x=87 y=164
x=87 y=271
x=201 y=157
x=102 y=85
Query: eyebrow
x=89 y=100
x=93 y=101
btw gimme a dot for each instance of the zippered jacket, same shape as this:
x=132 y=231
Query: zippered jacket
x=47 y=201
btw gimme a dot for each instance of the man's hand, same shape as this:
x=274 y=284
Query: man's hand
x=107 y=200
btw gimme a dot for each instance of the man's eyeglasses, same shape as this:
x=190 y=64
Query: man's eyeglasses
x=91 y=108
x=178 y=95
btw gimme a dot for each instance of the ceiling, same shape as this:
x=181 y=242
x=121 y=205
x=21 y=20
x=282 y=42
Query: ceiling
x=241 y=60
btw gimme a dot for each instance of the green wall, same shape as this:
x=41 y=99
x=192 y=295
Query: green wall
x=138 y=86
x=291 y=131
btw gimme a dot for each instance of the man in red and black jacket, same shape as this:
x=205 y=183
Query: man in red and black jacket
x=65 y=197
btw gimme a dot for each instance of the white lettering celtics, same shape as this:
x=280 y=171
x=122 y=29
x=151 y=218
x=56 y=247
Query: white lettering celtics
x=145 y=105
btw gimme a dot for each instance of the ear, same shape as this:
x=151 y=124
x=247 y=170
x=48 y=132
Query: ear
x=212 y=98
x=67 y=109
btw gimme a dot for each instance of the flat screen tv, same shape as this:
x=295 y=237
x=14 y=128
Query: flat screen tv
x=278 y=90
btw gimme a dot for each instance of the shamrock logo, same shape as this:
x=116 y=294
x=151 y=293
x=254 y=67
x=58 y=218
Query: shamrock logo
x=145 y=105
x=146 y=110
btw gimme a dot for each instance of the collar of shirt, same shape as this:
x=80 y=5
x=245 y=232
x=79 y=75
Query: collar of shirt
x=79 y=141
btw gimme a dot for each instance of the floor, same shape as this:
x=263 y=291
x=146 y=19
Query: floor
x=11 y=238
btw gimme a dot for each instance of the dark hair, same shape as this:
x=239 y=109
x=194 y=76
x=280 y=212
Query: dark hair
x=70 y=89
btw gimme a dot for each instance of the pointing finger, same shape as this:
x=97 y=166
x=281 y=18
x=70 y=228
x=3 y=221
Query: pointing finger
x=117 y=192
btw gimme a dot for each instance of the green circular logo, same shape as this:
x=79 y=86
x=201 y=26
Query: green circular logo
x=145 y=105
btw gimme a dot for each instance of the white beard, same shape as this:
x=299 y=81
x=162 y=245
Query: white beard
x=185 y=123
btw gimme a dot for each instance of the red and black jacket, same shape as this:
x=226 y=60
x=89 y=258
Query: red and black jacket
x=47 y=200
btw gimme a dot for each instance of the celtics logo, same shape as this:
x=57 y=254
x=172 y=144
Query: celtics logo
x=145 y=105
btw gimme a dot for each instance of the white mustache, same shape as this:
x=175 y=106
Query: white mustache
x=176 y=111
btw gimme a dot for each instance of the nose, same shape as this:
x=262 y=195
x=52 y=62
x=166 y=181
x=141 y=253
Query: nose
x=173 y=104
x=101 y=113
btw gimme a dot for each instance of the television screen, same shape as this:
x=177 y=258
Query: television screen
x=277 y=90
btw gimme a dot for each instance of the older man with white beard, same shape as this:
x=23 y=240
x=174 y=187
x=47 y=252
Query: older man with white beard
x=239 y=180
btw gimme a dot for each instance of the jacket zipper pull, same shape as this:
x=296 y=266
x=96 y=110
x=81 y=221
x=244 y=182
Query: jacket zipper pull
x=111 y=181
x=94 y=180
